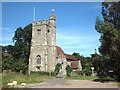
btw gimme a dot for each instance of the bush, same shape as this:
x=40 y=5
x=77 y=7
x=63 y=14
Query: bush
x=68 y=70
x=42 y=73
x=57 y=68
x=86 y=72
x=52 y=73
x=107 y=78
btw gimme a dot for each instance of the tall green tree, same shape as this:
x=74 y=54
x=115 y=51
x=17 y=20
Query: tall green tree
x=109 y=29
x=16 y=57
x=22 y=39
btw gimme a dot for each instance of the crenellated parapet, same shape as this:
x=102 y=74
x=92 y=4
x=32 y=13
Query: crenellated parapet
x=39 y=23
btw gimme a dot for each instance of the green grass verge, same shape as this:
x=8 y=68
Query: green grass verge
x=20 y=78
x=82 y=77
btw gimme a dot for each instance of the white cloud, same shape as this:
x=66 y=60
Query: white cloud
x=82 y=42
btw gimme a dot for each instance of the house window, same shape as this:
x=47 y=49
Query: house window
x=38 y=59
x=38 y=31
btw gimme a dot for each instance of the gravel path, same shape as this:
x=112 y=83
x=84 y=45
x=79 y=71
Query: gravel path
x=62 y=83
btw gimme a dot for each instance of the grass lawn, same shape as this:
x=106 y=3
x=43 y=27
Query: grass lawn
x=82 y=77
x=20 y=78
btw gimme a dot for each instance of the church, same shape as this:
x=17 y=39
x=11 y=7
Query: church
x=44 y=54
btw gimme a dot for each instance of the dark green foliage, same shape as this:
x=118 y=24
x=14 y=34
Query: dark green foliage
x=16 y=58
x=87 y=71
x=52 y=74
x=86 y=64
x=42 y=73
x=57 y=68
x=68 y=70
x=7 y=62
x=20 y=65
x=111 y=13
x=97 y=62
x=22 y=39
x=110 y=38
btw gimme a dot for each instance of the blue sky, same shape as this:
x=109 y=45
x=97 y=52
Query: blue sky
x=75 y=23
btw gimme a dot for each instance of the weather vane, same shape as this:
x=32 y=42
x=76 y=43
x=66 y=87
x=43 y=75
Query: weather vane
x=53 y=10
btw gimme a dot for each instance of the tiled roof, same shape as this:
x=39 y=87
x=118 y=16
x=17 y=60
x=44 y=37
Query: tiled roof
x=73 y=59
x=74 y=64
x=70 y=57
x=62 y=54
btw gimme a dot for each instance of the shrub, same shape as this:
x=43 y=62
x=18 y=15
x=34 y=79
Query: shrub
x=43 y=73
x=86 y=72
x=57 y=68
x=52 y=73
x=107 y=78
x=68 y=70
x=40 y=73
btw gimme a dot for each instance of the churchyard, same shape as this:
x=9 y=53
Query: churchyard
x=44 y=80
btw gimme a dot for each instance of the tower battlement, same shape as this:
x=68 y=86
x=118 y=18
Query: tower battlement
x=42 y=22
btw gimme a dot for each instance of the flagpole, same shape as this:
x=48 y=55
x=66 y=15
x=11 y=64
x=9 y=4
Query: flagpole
x=33 y=13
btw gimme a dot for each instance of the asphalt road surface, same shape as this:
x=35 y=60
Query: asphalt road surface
x=63 y=83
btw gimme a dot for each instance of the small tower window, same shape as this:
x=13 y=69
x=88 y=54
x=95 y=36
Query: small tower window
x=38 y=31
x=48 y=31
x=38 y=59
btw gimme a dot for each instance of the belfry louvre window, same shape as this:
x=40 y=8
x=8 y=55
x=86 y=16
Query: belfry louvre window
x=38 y=59
x=38 y=31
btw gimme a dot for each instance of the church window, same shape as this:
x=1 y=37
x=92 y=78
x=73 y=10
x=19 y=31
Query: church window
x=38 y=31
x=38 y=59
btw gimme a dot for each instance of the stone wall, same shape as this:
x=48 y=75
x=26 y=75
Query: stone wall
x=43 y=44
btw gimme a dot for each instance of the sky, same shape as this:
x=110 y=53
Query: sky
x=75 y=23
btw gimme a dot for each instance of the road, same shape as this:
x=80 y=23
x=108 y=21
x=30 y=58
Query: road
x=62 y=83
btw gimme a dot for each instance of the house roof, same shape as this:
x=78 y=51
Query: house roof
x=74 y=64
x=70 y=57
x=60 y=52
x=67 y=56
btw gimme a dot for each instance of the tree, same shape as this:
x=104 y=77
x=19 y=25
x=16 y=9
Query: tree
x=16 y=57
x=97 y=62
x=20 y=65
x=22 y=39
x=7 y=61
x=110 y=39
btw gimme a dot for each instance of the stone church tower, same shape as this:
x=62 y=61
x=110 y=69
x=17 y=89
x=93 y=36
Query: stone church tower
x=43 y=45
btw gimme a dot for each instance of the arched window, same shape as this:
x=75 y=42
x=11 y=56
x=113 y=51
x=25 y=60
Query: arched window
x=38 y=59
